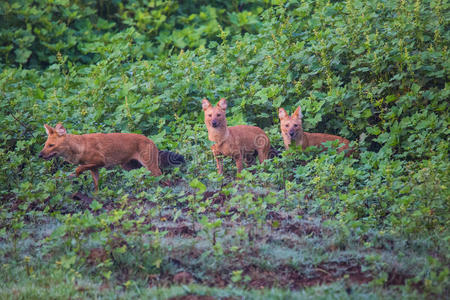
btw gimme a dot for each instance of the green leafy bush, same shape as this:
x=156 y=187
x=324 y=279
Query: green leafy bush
x=34 y=33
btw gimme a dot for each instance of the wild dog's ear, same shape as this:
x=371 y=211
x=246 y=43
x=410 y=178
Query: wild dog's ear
x=60 y=130
x=205 y=104
x=49 y=129
x=298 y=113
x=282 y=113
x=222 y=103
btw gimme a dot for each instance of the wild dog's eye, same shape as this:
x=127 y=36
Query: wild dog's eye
x=210 y=115
x=51 y=145
x=295 y=125
x=287 y=125
x=218 y=115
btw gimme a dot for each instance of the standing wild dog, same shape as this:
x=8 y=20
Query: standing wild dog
x=239 y=142
x=96 y=150
x=292 y=133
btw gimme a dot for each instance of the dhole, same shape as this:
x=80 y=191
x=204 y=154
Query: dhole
x=292 y=132
x=240 y=142
x=97 y=150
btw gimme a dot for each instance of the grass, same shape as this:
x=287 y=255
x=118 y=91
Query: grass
x=135 y=248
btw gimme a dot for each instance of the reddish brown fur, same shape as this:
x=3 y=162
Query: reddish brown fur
x=292 y=133
x=97 y=150
x=236 y=141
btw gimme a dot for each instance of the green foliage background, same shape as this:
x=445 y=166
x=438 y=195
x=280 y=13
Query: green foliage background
x=375 y=72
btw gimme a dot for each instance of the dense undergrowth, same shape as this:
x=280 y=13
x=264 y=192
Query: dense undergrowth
x=373 y=225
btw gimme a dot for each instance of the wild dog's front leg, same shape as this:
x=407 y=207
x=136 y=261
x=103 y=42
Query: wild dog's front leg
x=219 y=161
x=94 y=171
x=239 y=161
x=81 y=168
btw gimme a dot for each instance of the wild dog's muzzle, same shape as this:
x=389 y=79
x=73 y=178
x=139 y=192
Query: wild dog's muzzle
x=292 y=133
x=214 y=123
x=50 y=156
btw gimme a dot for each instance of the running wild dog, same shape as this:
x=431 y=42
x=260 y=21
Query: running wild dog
x=96 y=150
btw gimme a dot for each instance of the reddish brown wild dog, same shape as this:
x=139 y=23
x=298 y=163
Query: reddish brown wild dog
x=239 y=142
x=96 y=150
x=292 y=133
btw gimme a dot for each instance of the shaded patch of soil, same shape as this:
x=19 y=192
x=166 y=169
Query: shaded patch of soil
x=181 y=229
x=183 y=278
x=302 y=229
x=276 y=216
x=397 y=278
x=35 y=205
x=97 y=256
x=84 y=199
x=288 y=277
x=15 y=204
x=217 y=197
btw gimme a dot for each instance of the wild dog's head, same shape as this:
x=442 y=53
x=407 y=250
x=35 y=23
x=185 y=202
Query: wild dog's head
x=215 y=115
x=54 y=146
x=291 y=126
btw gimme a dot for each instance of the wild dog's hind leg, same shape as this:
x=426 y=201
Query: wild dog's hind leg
x=94 y=173
x=263 y=148
x=262 y=155
x=148 y=157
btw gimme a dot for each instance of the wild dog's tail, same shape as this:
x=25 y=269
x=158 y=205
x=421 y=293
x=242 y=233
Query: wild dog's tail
x=168 y=159
x=273 y=152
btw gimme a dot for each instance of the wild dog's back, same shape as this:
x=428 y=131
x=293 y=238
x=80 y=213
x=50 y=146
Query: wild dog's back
x=316 y=139
x=119 y=148
x=250 y=138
